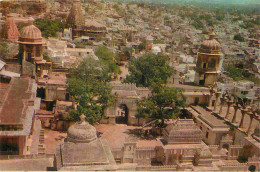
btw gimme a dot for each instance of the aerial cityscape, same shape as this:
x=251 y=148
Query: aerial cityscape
x=129 y=85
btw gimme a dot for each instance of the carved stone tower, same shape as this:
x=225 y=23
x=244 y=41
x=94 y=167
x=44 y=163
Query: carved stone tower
x=208 y=63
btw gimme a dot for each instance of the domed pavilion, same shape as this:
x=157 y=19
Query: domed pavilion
x=31 y=52
x=208 y=62
x=83 y=150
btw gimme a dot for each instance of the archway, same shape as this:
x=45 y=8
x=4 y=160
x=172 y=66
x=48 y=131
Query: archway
x=41 y=92
x=225 y=146
x=122 y=114
x=252 y=168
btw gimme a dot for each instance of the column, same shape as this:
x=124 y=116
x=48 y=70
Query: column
x=243 y=111
x=210 y=98
x=252 y=115
x=166 y=161
x=229 y=103
x=235 y=113
x=216 y=102
x=222 y=100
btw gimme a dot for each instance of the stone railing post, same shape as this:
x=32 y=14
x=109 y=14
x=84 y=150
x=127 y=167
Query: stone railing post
x=216 y=102
x=235 y=114
x=229 y=103
x=252 y=116
x=243 y=111
x=222 y=100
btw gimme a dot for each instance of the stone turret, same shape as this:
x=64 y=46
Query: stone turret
x=10 y=31
x=208 y=63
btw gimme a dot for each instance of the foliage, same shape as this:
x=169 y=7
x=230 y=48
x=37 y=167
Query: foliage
x=128 y=51
x=239 y=38
x=107 y=58
x=3 y=49
x=233 y=72
x=237 y=74
x=49 y=28
x=141 y=46
x=21 y=25
x=88 y=87
x=164 y=103
x=149 y=69
x=198 y=24
x=46 y=57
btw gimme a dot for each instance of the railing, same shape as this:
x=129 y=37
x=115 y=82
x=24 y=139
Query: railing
x=32 y=156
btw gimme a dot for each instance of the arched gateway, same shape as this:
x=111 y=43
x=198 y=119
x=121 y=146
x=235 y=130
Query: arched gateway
x=124 y=109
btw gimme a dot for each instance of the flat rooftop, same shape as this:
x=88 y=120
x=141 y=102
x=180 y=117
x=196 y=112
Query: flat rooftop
x=13 y=100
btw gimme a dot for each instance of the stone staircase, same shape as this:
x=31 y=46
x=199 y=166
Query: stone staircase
x=41 y=146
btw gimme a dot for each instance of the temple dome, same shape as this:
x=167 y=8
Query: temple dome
x=82 y=132
x=210 y=45
x=31 y=32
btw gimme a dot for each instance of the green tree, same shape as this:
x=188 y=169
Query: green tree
x=108 y=58
x=149 y=69
x=49 y=28
x=89 y=88
x=164 y=103
x=233 y=72
x=239 y=37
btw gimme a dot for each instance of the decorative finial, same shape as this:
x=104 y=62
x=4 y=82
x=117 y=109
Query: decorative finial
x=30 y=21
x=83 y=119
x=211 y=33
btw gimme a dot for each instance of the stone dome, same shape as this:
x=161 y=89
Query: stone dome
x=31 y=32
x=210 y=45
x=82 y=132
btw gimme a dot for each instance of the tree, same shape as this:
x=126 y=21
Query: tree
x=164 y=103
x=107 y=58
x=89 y=88
x=239 y=38
x=149 y=69
x=49 y=28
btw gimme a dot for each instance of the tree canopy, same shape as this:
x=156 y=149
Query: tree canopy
x=108 y=58
x=89 y=88
x=49 y=28
x=164 y=103
x=149 y=69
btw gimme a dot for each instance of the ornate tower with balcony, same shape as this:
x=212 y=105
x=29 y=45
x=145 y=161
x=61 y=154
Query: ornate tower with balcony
x=208 y=63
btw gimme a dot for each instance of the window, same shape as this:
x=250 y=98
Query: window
x=200 y=127
x=207 y=134
x=204 y=65
x=38 y=51
x=244 y=92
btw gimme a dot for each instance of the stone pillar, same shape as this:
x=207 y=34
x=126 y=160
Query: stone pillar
x=229 y=103
x=210 y=98
x=243 y=111
x=216 y=102
x=235 y=113
x=252 y=115
x=166 y=156
x=222 y=100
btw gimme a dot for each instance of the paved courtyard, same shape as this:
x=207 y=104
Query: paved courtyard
x=52 y=139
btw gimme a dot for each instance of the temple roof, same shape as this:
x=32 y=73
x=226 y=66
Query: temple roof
x=82 y=132
x=76 y=18
x=10 y=30
x=211 y=45
x=183 y=131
